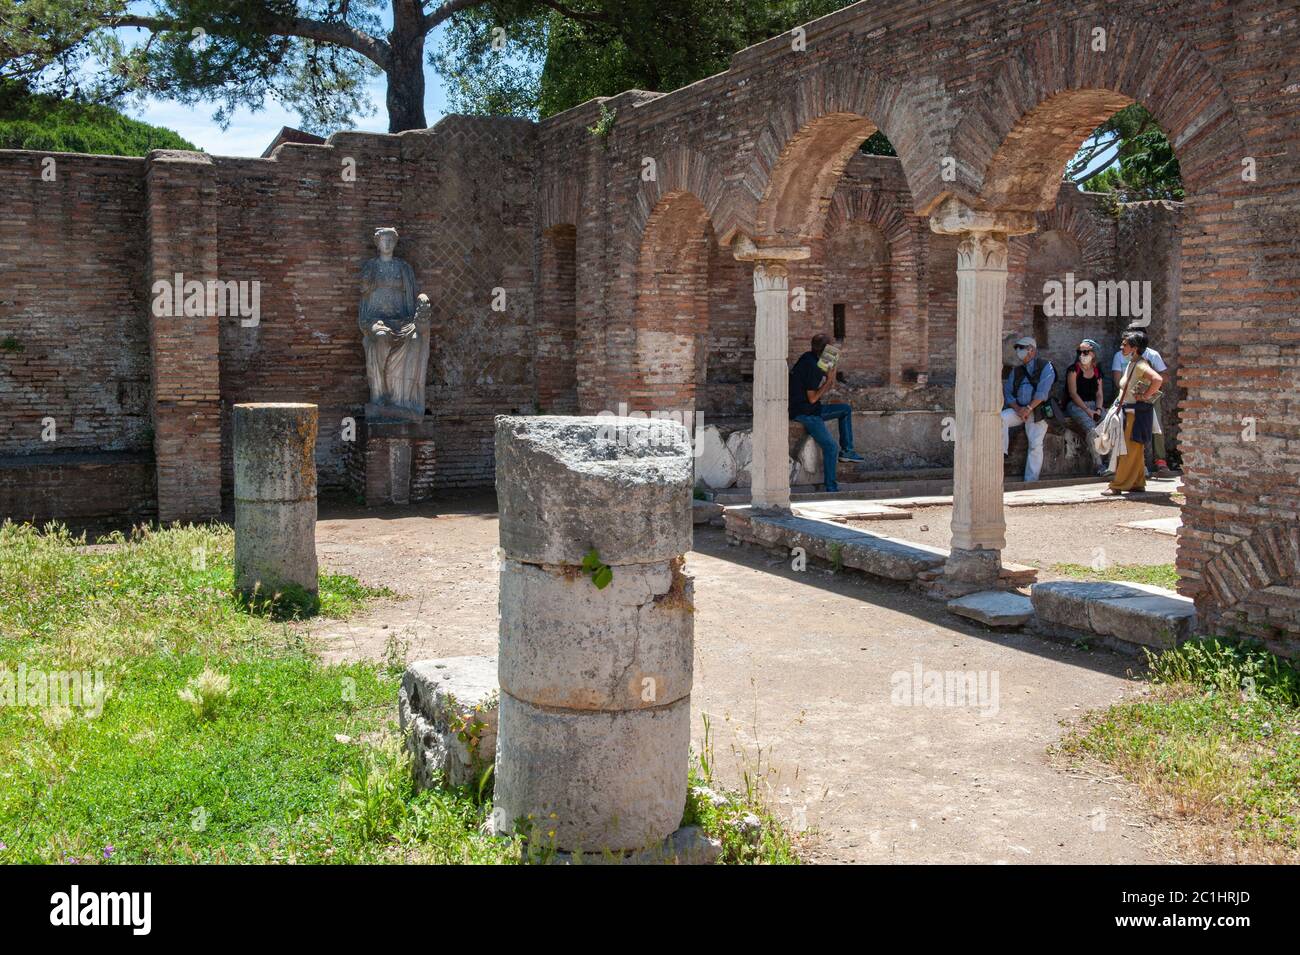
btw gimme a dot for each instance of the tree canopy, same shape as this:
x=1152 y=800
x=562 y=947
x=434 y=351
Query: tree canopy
x=1141 y=164
x=41 y=121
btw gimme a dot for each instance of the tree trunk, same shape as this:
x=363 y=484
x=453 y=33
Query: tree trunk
x=406 y=71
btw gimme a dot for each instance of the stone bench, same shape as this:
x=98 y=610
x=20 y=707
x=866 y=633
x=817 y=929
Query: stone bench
x=1131 y=614
x=873 y=554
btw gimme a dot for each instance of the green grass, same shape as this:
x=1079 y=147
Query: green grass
x=1217 y=739
x=1159 y=575
x=297 y=764
x=295 y=761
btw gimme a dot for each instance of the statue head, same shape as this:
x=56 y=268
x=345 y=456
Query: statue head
x=386 y=241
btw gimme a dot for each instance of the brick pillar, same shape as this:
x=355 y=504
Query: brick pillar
x=182 y=239
x=593 y=735
x=978 y=525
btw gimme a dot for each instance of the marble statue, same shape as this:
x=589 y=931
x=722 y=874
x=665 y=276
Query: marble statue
x=395 y=328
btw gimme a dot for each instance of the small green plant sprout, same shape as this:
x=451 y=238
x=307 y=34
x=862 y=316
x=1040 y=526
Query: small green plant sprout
x=11 y=344
x=602 y=575
x=605 y=125
x=207 y=693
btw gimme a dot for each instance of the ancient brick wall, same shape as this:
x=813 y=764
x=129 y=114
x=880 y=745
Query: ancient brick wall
x=74 y=340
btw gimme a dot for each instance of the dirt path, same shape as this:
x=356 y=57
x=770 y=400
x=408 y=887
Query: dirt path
x=796 y=671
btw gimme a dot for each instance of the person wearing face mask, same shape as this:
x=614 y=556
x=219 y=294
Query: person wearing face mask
x=1025 y=391
x=1084 y=385
x=1138 y=387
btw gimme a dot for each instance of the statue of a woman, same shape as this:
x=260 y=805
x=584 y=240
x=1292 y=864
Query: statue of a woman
x=395 y=329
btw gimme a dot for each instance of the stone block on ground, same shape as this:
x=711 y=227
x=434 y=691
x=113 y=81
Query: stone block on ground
x=994 y=608
x=741 y=446
x=567 y=484
x=715 y=466
x=439 y=701
x=1132 y=613
x=703 y=512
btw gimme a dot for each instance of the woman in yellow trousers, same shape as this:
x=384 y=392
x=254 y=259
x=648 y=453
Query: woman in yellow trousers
x=1138 y=388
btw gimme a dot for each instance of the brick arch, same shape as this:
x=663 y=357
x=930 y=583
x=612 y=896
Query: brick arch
x=671 y=312
x=903 y=347
x=678 y=170
x=560 y=203
x=798 y=157
x=1045 y=102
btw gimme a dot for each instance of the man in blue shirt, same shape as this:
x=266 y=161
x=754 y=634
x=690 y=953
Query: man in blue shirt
x=807 y=385
x=1026 y=388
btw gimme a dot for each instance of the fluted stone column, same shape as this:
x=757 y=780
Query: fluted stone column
x=593 y=732
x=770 y=466
x=275 y=498
x=978 y=525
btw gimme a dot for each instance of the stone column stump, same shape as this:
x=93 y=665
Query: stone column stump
x=275 y=498
x=593 y=736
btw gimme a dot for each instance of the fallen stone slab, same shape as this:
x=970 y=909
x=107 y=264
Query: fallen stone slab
x=1131 y=613
x=841 y=511
x=447 y=708
x=1017 y=575
x=702 y=512
x=994 y=608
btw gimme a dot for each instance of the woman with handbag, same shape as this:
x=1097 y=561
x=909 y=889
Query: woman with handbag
x=1138 y=388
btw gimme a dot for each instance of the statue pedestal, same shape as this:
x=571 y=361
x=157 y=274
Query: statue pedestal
x=392 y=461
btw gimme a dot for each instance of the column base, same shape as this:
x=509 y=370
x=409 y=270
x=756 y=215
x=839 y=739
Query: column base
x=967 y=571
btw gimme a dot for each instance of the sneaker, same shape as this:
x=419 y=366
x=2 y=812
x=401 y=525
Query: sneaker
x=832 y=488
x=851 y=455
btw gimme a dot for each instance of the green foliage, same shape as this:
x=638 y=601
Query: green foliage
x=242 y=54
x=554 y=61
x=605 y=125
x=48 y=123
x=602 y=575
x=1143 y=165
x=1218 y=736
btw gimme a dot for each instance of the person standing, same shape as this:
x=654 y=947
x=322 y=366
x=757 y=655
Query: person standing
x=1084 y=387
x=808 y=383
x=1151 y=357
x=1138 y=387
x=1024 y=391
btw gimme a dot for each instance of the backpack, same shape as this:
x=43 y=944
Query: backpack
x=1050 y=410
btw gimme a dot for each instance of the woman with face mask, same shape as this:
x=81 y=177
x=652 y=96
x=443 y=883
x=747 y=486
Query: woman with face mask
x=1138 y=388
x=1083 y=384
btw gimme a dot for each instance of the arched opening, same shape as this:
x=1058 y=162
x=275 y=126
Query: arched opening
x=672 y=306
x=555 y=345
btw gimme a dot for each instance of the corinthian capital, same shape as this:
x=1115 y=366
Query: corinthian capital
x=770 y=276
x=982 y=250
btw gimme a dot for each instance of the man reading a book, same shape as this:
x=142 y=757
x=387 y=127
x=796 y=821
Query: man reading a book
x=810 y=378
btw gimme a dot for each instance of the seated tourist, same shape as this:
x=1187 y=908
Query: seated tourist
x=1084 y=391
x=1025 y=391
x=808 y=383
